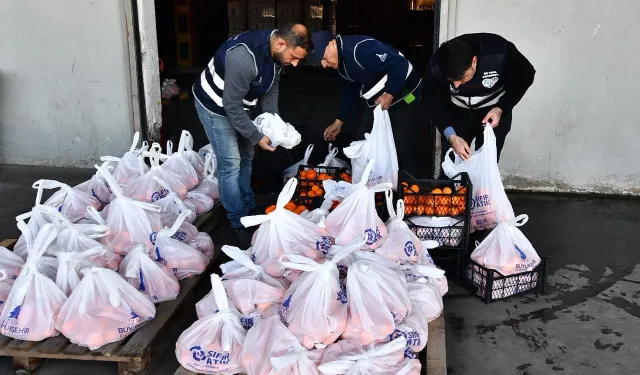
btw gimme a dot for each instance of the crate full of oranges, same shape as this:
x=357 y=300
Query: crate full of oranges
x=291 y=206
x=435 y=197
x=310 y=182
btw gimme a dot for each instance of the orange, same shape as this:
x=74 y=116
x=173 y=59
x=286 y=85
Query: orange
x=455 y=211
x=312 y=193
x=311 y=174
x=405 y=184
x=462 y=189
x=447 y=190
x=303 y=194
x=429 y=210
x=415 y=188
x=436 y=191
x=290 y=206
x=320 y=192
x=419 y=209
x=270 y=209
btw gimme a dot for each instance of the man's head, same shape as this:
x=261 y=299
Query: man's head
x=291 y=44
x=457 y=61
x=325 y=52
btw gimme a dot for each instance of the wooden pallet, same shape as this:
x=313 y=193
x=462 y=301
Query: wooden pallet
x=133 y=354
x=435 y=362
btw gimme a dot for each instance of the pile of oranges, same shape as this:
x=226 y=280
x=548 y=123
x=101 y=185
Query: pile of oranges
x=290 y=206
x=439 y=202
x=345 y=177
x=312 y=188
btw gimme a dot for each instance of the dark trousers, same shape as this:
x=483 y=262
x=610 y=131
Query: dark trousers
x=405 y=119
x=468 y=125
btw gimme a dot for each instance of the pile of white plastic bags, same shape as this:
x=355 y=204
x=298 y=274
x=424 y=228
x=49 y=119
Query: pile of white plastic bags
x=352 y=295
x=93 y=259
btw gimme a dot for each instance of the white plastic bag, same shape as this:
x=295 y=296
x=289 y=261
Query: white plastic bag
x=209 y=183
x=270 y=348
x=203 y=243
x=332 y=159
x=201 y=202
x=75 y=238
x=97 y=186
x=349 y=357
x=213 y=344
x=34 y=301
x=179 y=163
x=401 y=245
x=103 y=308
x=11 y=264
x=489 y=205
x=181 y=258
x=154 y=280
x=283 y=232
x=38 y=217
x=147 y=189
x=377 y=300
x=131 y=221
x=69 y=265
x=357 y=215
x=71 y=202
x=208 y=306
x=379 y=146
x=506 y=249
x=315 y=306
x=279 y=132
x=131 y=165
x=5 y=289
x=171 y=205
x=292 y=171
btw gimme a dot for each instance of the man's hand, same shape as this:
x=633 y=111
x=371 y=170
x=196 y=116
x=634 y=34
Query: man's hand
x=332 y=131
x=460 y=146
x=493 y=117
x=385 y=100
x=265 y=144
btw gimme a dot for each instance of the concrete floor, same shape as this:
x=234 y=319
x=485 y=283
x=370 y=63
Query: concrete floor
x=588 y=322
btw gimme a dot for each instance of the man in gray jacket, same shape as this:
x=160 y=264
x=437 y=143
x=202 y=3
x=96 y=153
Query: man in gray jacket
x=244 y=72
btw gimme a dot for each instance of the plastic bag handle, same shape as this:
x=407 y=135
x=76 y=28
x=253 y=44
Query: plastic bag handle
x=110 y=159
x=366 y=173
x=519 y=220
x=219 y=293
x=154 y=155
x=49 y=184
x=341 y=254
x=242 y=258
x=285 y=196
x=389 y=199
x=134 y=143
x=429 y=271
x=169 y=148
x=186 y=142
x=300 y=263
x=92 y=230
x=381 y=187
x=332 y=155
x=179 y=221
x=95 y=215
x=209 y=165
x=110 y=180
x=400 y=209
x=134 y=265
x=289 y=358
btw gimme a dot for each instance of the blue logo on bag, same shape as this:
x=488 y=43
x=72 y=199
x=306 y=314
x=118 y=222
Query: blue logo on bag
x=180 y=236
x=523 y=256
x=480 y=201
x=211 y=357
x=102 y=204
x=412 y=337
x=284 y=309
x=373 y=236
x=141 y=285
x=342 y=271
x=410 y=249
x=159 y=258
x=60 y=208
x=159 y=195
x=14 y=313
x=152 y=237
x=342 y=294
x=325 y=244
x=253 y=257
x=409 y=353
x=246 y=322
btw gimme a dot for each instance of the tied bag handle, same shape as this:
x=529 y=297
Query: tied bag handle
x=134 y=267
x=186 y=142
x=40 y=185
x=210 y=165
x=178 y=223
x=232 y=328
x=332 y=155
x=307 y=154
x=285 y=196
x=241 y=257
x=301 y=263
x=117 y=190
x=292 y=356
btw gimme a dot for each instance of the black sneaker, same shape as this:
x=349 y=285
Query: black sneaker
x=243 y=236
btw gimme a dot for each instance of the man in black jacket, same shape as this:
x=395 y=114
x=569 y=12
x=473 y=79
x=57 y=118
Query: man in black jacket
x=474 y=80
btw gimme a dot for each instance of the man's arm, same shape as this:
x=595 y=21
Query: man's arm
x=269 y=100
x=519 y=75
x=239 y=72
x=377 y=57
x=438 y=99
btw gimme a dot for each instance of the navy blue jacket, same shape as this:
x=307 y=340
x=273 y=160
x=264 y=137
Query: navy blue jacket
x=363 y=61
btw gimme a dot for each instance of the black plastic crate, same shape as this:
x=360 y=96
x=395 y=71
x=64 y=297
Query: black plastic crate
x=451 y=261
x=430 y=197
x=490 y=285
x=306 y=185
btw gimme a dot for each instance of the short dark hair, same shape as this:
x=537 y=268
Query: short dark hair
x=455 y=58
x=296 y=35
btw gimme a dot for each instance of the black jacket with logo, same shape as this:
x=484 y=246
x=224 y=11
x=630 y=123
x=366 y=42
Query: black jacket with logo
x=503 y=75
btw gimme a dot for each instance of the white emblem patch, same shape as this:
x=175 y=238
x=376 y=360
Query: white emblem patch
x=489 y=82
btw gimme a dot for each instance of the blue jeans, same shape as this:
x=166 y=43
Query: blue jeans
x=234 y=155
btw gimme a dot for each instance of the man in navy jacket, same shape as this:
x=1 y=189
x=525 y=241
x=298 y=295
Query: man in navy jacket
x=380 y=75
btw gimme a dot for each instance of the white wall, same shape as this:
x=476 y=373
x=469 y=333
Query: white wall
x=578 y=127
x=65 y=96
